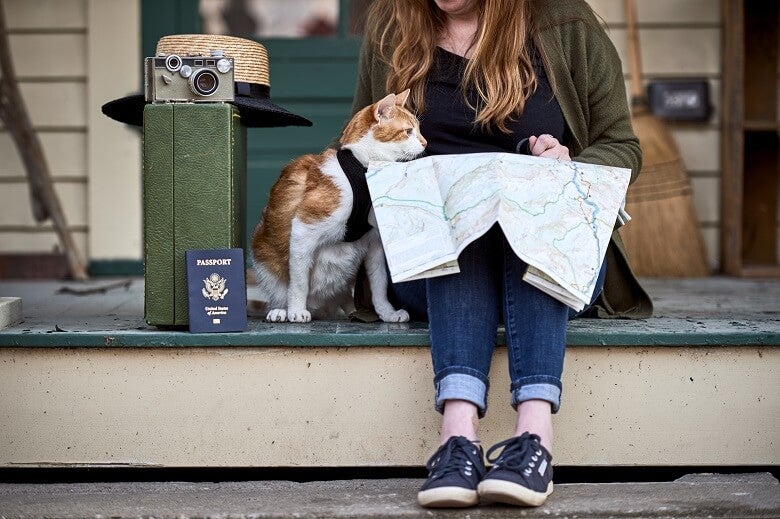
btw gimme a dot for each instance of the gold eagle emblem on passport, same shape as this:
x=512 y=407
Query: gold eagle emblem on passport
x=215 y=287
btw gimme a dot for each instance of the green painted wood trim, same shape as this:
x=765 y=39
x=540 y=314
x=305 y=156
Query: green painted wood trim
x=116 y=267
x=293 y=49
x=159 y=19
x=586 y=332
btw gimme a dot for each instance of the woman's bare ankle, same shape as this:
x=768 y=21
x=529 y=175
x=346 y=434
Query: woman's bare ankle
x=535 y=417
x=459 y=419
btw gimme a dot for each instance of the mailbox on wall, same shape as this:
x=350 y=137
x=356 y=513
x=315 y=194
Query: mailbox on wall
x=680 y=99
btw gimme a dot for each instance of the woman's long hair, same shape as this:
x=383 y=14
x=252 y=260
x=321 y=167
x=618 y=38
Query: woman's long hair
x=500 y=68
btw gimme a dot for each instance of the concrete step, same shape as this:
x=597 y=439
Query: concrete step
x=87 y=384
x=755 y=495
x=10 y=311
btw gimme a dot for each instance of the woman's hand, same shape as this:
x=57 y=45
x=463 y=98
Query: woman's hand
x=548 y=146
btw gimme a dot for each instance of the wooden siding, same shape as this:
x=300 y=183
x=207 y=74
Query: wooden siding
x=43 y=15
x=65 y=153
x=54 y=53
x=47 y=39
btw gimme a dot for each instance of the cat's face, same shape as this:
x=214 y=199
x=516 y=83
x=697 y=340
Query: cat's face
x=385 y=130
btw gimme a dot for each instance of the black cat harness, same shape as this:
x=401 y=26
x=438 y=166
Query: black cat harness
x=357 y=225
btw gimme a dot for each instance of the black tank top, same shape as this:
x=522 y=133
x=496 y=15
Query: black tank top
x=448 y=122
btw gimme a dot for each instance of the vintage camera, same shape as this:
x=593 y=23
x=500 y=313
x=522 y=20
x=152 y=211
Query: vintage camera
x=174 y=78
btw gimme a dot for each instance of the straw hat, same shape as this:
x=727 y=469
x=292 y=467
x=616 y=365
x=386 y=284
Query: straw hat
x=250 y=73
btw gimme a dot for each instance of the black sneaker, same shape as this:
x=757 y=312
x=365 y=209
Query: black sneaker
x=521 y=474
x=454 y=471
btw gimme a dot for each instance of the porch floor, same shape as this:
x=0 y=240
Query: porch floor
x=703 y=311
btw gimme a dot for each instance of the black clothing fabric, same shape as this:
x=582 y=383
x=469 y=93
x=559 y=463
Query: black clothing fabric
x=448 y=122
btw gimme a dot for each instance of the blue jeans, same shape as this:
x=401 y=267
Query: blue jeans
x=464 y=310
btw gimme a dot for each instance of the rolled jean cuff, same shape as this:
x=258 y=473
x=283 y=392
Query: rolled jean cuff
x=461 y=386
x=551 y=392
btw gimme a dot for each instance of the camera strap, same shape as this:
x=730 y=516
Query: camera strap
x=357 y=225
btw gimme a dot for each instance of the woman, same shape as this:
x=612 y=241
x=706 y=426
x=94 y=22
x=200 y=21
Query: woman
x=488 y=75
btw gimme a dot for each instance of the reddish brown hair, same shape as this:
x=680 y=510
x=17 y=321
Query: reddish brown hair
x=500 y=68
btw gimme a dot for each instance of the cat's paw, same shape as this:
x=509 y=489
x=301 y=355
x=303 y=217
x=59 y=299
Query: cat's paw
x=277 y=315
x=299 y=316
x=396 y=316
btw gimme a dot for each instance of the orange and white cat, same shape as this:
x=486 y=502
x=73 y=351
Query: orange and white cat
x=303 y=264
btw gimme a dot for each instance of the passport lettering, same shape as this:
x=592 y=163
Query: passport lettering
x=205 y=262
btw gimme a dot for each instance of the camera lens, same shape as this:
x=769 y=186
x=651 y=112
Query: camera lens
x=173 y=62
x=204 y=82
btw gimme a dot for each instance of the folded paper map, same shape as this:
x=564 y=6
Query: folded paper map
x=557 y=215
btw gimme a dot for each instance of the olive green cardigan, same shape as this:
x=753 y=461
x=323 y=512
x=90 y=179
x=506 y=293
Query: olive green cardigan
x=589 y=86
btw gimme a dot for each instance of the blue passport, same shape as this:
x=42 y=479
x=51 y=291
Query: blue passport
x=216 y=284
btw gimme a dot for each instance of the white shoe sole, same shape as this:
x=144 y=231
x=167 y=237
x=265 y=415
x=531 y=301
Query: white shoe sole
x=500 y=491
x=447 y=497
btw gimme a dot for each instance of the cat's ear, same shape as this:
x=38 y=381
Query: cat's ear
x=400 y=99
x=385 y=108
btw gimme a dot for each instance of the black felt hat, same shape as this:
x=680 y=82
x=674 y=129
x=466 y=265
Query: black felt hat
x=251 y=76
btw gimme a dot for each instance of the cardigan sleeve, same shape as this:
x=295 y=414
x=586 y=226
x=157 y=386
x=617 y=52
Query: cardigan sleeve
x=589 y=84
x=610 y=137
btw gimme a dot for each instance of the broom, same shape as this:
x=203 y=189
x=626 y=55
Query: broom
x=664 y=239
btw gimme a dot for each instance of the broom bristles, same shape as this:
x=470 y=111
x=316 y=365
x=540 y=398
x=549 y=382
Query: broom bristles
x=664 y=238
x=657 y=142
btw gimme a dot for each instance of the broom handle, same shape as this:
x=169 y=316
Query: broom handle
x=633 y=50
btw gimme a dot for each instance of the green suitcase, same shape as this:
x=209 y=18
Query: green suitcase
x=194 y=157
